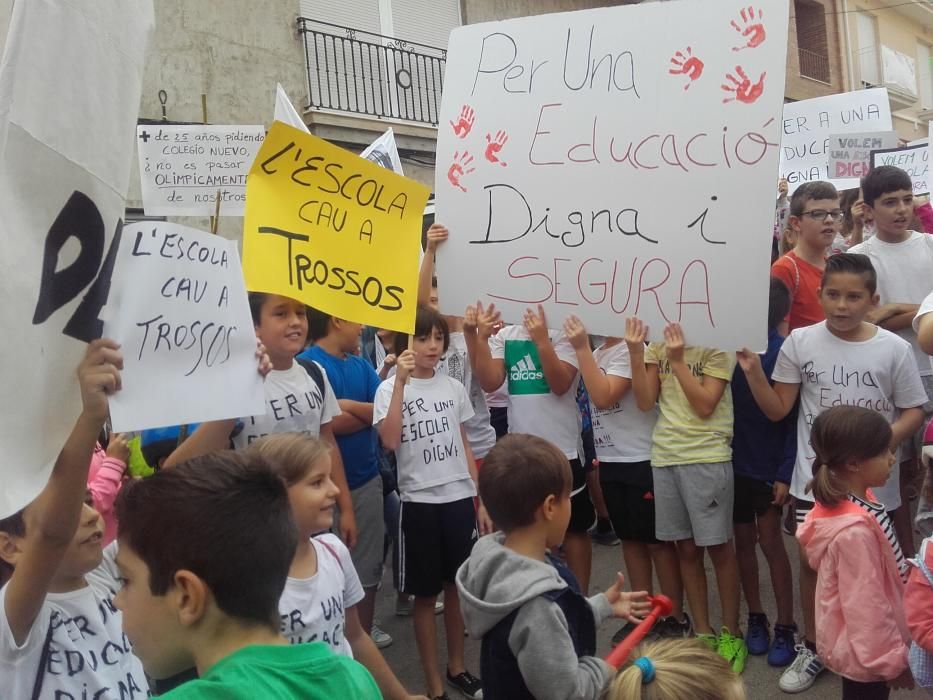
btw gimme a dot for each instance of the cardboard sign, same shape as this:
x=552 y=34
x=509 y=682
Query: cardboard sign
x=333 y=230
x=612 y=163
x=808 y=126
x=182 y=168
x=64 y=174
x=914 y=159
x=850 y=154
x=181 y=314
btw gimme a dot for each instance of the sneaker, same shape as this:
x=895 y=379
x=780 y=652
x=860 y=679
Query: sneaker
x=404 y=607
x=800 y=675
x=606 y=537
x=757 y=637
x=710 y=640
x=624 y=632
x=733 y=649
x=468 y=684
x=380 y=639
x=670 y=626
x=782 y=648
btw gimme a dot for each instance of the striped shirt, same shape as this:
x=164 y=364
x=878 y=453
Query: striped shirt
x=877 y=511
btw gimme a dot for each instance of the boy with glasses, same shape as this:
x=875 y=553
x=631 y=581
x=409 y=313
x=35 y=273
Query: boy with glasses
x=815 y=218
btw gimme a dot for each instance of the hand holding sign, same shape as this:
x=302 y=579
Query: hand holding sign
x=99 y=377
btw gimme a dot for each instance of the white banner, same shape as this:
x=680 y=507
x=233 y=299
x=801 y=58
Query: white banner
x=384 y=152
x=850 y=154
x=285 y=111
x=184 y=169
x=181 y=313
x=69 y=99
x=615 y=162
x=808 y=125
x=913 y=159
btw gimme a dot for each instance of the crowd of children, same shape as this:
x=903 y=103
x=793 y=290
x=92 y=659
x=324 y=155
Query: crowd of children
x=252 y=572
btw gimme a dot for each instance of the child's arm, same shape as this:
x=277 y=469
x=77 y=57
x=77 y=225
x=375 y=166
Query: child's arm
x=471 y=335
x=906 y=425
x=436 y=235
x=390 y=427
x=347 y=525
x=354 y=416
x=54 y=516
x=646 y=381
x=774 y=401
x=925 y=333
x=482 y=517
x=558 y=374
x=893 y=317
x=207 y=437
x=702 y=393
x=104 y=485
x=366 y=652
x=605 y=390
x=490 y=371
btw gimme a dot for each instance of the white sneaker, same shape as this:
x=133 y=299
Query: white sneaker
x=404 y=608
x=380 y=639
x=801 y=674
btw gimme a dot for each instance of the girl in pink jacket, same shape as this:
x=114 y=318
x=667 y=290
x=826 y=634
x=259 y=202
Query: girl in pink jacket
x=861 y=632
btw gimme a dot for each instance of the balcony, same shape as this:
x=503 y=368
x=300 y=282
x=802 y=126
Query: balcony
x=814 y=65
x=361 y=73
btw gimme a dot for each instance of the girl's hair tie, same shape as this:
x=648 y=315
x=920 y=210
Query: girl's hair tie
x=647 y=669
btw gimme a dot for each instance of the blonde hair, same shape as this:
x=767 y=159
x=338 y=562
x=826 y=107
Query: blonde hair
x=290 y=455
x=683 y=668
x=788 y=240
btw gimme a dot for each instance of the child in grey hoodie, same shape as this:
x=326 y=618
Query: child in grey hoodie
x=538 y=630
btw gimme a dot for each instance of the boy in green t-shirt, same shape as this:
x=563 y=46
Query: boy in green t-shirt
x=204 y=551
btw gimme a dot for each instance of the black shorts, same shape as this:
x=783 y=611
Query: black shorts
x=752 y=499
x=582 y=512
x=435 y=539
x=629 y=494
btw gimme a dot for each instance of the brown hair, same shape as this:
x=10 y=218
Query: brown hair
x=518 y=475
x=289 y=455
x=683 y=668
x=839 y=436
x=426 y=320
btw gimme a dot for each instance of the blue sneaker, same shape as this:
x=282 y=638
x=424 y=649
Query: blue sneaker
x=782 y=650
x=757 y=637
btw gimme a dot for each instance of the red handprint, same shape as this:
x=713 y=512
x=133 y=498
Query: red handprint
x=753 y=30
x=742 y=87
x=464 y=123
x=685 y=63
x=494 y=145
x=461 y=166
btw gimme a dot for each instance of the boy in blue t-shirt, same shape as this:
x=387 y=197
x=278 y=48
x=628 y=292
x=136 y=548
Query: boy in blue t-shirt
x=336 y=344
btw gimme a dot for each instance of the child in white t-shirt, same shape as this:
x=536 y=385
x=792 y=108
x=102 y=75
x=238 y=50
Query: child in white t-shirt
x=60 y=634
x=322 y=591
x=420 y=414
x=842 y=361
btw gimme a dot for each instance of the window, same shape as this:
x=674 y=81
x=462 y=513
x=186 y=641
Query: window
x=812 y=42
x=868 y=57
x=924 y=76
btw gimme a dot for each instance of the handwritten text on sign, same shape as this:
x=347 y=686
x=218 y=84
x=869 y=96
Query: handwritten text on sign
x=615 y=162
x=181 y=168
x=333 y=230
x=850 y=154
x=181 y=314
x=808 y=125
x=914 y=160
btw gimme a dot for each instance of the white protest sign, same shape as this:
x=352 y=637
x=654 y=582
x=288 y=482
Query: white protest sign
x=182 y=168
x=850 y=154
x=808 y=125
x=64 y=174
x=384 y=152
x=913 y=159
x=285 y=111
x=615 y=162
x=181 y=313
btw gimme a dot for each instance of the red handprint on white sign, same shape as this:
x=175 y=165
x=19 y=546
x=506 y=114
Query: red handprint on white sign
x=465 y=123
x=752 y=29
x=461 y=167
x=742 y=88
x=494 y=145
x=685 y=63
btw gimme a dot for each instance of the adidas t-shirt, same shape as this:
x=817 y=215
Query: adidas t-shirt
x=294 y=404
x=456 y=364
x=622 y=433
x=533 y=407
x=314 y=609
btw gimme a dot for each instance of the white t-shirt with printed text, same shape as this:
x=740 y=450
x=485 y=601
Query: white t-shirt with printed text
x=925 y=308
x=879 y=373
x=88 y=656
x=432 y=463
x=314 y=609
x=293 y=405
x=623 y=432
x=456 y=364
x=905 y=276
x=533 y=407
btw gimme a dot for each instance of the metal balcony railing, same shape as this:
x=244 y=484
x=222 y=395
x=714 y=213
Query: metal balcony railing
x=350 y=70
x=814 y=65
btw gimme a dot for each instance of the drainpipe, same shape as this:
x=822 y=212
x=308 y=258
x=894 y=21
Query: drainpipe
x=844 y=18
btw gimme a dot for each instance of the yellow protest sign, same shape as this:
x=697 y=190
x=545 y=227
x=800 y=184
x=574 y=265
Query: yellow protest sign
x=333 y=230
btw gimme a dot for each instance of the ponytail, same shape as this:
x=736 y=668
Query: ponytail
x=828 y=489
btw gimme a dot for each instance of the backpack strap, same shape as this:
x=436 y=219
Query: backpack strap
x=330 y=548
x=796 y=273
x=311 y=367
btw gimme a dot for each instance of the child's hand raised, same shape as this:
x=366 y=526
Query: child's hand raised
x=404 y=366
x=632 y=606
x=469 y=319
x=576 y=332
x=636 y=332
x=99 y=376
x=436 y=235
x=262 y=357
x=118 y=447
x=674 y=342
x=748 y=360
x=536 y=325
x=487 y=321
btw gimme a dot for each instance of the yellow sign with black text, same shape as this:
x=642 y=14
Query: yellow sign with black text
x=333 y=230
